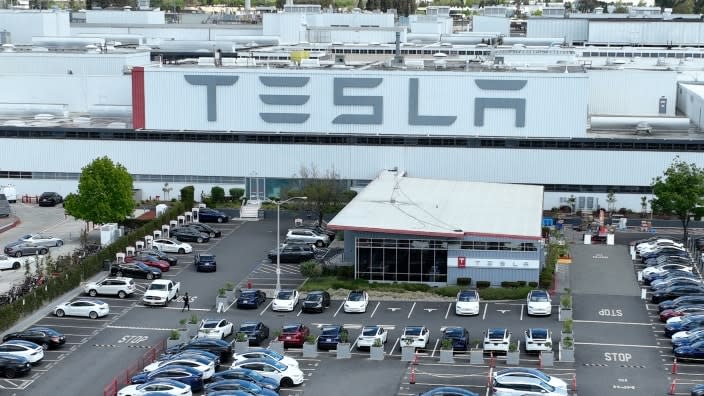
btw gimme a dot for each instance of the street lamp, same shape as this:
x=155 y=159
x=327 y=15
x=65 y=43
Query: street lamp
x=278 y=237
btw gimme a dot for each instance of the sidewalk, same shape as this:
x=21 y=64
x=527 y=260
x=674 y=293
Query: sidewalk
x=10 y=222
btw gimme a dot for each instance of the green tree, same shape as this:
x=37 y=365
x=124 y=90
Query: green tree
x=678 y=6
x=104 y=193
x=537 y=13
x=325 y=191
x=620 y=8
x=679 y=191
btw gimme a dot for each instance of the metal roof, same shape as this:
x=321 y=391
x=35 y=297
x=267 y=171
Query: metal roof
x=395 y=204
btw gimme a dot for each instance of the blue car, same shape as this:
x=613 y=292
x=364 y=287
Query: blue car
x=330 y=336
x=205 y=262
x=251 y=298
x=448 y=391
x=212 y=345
x=666 y=251
x=229 y=393
x=687 y=323
x=692 y=351
x=693 y=338
x=206 y=215
x=459 y=337
x=232 y=385
x=247 y=375
x=680 y=302
x=184 y=374
x=697 y=390
x=672 y=292
x=649 y=279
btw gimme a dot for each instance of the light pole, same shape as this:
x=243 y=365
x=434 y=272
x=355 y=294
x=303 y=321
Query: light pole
x=278 y=238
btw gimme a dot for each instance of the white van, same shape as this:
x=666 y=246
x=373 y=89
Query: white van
x=10 y=193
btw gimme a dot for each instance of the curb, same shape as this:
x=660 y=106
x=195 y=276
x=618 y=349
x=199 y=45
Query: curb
x=10 y=226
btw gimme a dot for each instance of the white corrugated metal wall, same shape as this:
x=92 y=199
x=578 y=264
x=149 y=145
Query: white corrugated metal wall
x=646 y=33
x=690 y=100
x=631 y=92
x=23 y=25
x=492 y=24
x=573 y=30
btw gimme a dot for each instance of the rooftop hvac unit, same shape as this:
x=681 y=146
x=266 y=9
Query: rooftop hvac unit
x=340 y=59
x=643 y=128
x=5 y=37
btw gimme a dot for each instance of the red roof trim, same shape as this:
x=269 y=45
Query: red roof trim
x=430 y=233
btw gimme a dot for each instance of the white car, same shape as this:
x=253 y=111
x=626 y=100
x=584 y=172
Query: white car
x=285 y=375
x=686 y=334
x=497 y=340
x=264 y=353
x=42 y=240
x=357 y=301
x=538 y=339
x=25 y=349
x=93 y=309
x=661 y=269
x=539 y=303
x=172 y=246
x=285 y=300
x=415 y=336
x=163 y=386
x=520 y=372
x=467 y=303
x=121 y=287
x=202 y=364
x=370 y=334
x=215 y=328
x=654 y=245
x=7 y=262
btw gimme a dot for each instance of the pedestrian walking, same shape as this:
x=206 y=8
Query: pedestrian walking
x=186 y=303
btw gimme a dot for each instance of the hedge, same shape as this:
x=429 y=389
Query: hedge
x=74 y=275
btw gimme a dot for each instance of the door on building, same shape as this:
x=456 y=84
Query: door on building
x=257 y=188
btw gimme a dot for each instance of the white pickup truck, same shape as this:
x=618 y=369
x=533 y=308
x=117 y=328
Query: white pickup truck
x=161 y=292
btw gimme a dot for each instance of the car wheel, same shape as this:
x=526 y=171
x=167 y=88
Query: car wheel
x=220 y=219
x=286 y=382
x=181 y=251
x=199 y=240
x=15 y=266
x=60 y=312
x=45 y=346
x=92 y=293
x=150 y=276
x=93 y=315
x=10 y=373
x=121 y=294
x=43 y=251
x=319 y=244
x=212 y=235
x=119 y=274
x=18 y=254
x=59 y=243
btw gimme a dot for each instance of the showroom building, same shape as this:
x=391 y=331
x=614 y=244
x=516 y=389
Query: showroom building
x=404 y=229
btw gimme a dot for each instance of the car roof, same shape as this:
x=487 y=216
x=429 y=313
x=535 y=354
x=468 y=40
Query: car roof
x=188 y=369
x=508 y=379
x=28 y=344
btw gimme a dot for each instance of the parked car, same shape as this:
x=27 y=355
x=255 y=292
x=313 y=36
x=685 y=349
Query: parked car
x=285 y=300
x=497 y=339
x=192 y=352
x=205 y=366
x=667 y=259
x=294 y=334
x=172 y=246
x=685 y=352
x=135 y=270
x=669 y=251
x=250 y=388
x=309 y=236
x=330 y=336
x=370 y=335
x=661 y=269
x=538 y=339
x=256 y=331
x=691 y=337
x=50 y=199
x=673 y=292
x=7 y=262
x=166 y=386
x=184 y=374
x=215 y=328
x=46 y=240
x=676 y=282
x=205 y=262
x=120 y=287
x=90 y=308
x=186 y=234
x=19 y=249
x=648 y=280
x=26 y=349
x=357 y=301
x=448 y=391
x=316 y=301
x=521 y=372
x=287 y=376
x=686 y=335
x=686 y=323
x=250 y=298
x=697 y=390
x=680 y=301
x=265 y=353
x=247 y=375
x=518 y=386
x=538 y=302
x=206 y=229
x=292 y=253
x=149 y=260
x=415 y=336
x=221 y=348
x=44 y=336
x=12 y=366
x=467 y=303
x=669 y=278
x=459 y=336
x=160 y=255
x=208 y=215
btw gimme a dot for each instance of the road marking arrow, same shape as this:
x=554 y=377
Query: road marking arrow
x=393 y=309
x=430 y=309
x=503 y=311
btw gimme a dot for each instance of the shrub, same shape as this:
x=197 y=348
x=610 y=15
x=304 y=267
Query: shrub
x=236 y=194
x=513 y=346
x=566 y=301
x=310 y=339
x=447 y=291
x=567 y=342
x=187 y=196
x=520 y=283
x=496 y=293
x=175 y=335
x=567 y=326
x=483 y=284
x=193 y=319
x=377 y=342
x=311 y=269
x=508 y=284
x=446 y=344
x=217 y=194
x=533 y=284
x=241 y=337
x=221 y=292
x=464 y=281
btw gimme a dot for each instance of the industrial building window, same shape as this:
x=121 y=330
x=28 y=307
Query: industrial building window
x=401 y=260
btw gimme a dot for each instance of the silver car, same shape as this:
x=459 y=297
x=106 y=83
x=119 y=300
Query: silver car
x=42 y=239
x=19 y=249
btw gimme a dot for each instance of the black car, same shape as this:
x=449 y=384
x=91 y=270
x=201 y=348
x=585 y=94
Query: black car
x=330 y=336
x=458 y=336
x=160 y=255
x=50 y=199
x=256 y=332
x=673 y=292
x=44 y=336
x=293 y=253
x=135 y=270
x=666 y=251
x=218 y=347
x=187 y=234
x=250 y=298
x=205 y=262
x=211 y=215
x=12 y=365
x=648 y=280
x=206 y=229
x=676 y=282
x=653 y=261
x=316 y=301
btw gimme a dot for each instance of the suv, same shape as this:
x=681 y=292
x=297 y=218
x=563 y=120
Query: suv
x=205 y=262
x=309 y=236
x=509 y=386
x=121 y=287
x=50 y=199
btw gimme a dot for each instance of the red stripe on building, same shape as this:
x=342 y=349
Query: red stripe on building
x=138 y=112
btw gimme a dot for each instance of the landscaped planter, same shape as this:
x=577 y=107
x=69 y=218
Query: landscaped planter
x=343 y=350
x=170 y=343
x=408 y=353
x=564 y=314
x=547 y=358
x=376 y=353
x=191 y=329
x=310 y=350
x=566 y=354
x=230 y=295
x=277 y=346
x=513 y=358
x=476 y=356
x=447 y=356
x=221 y=302
x=241 y=346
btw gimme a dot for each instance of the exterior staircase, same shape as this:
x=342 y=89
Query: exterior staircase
x=250 y=210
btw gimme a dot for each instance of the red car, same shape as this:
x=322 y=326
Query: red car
x=149 y=260
x=681 y=311
x=294 y=334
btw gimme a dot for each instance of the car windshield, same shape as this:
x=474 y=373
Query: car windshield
x=355 y=296
x=314 y=297
x=285 y=295
x=290 y=329
x=496 y=333
x=539 y=333
x=412 y=331
x=454 y=332
x=207 y=257
x=142 y=266
x=248 y=294
x=279 y=366
x=273 y=354
x=369 y=331
x=539 y=297
x=329 y=331
x=468 y=297
x=210 y=324
x=157 y=286
x=248 y=327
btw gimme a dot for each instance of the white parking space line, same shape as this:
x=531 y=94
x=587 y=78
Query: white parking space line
x=611 y=322
x=338 y=309
x=375 y=308
x=437 y=341
x=173 y=308
x=623 y=345
x=137 y=328
x=448 y=310
x=266 y=308
x=522 y=311
x=299 y=312
x=74 y=327
x=394 y=346
x=485 y=308
x=411 y=311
